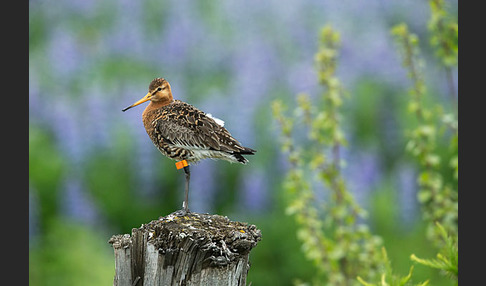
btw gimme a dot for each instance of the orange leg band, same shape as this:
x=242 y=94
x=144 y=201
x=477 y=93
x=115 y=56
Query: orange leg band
x=181 y=164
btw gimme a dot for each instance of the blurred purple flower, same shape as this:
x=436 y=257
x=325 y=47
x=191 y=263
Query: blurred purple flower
x=85 y=7
x=76 y=203
x=254 y=191
x=407 y=187
x=144 y=157
x=252 y=72
x=302 y=77
x=67 y=128
x=63 y=53
x=126 y=36
x=362 y=173
x=96 y=118
x=203 y=186
x=183 y=34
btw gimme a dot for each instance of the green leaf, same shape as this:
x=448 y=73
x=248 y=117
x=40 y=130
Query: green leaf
x=424 y=196
x=364 y=282
x=405 y=279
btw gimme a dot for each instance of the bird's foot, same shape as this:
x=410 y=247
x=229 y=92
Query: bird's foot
x=181 y=212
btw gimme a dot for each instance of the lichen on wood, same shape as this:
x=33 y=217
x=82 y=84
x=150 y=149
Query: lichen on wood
x=190 y=249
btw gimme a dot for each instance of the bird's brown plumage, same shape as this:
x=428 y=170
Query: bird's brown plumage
x=182 y=132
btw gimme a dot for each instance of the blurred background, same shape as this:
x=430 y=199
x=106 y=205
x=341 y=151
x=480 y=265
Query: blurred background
x=93 y=171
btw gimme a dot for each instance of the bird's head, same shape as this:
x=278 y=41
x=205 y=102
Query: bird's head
x=159 y=92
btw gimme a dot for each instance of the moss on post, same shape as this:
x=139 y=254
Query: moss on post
x=194 y=249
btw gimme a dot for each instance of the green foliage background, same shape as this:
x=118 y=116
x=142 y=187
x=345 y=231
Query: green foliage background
x=93 y=171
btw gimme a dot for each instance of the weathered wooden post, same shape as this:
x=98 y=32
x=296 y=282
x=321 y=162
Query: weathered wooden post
x=194 y=249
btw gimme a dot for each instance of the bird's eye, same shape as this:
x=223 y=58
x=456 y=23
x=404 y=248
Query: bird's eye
x=159 y=88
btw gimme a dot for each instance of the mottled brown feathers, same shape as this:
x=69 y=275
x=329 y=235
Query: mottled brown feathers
x=181 y=131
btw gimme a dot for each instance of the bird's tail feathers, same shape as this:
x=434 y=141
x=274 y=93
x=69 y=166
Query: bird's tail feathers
x=239 y=155
x=247 y=151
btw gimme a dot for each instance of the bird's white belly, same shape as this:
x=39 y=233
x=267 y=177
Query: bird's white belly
x=194 y=154
x=200 y=154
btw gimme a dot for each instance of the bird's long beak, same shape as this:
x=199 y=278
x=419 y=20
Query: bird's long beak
x=144 y=99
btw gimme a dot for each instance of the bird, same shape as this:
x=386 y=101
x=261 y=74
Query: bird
x=186 y=134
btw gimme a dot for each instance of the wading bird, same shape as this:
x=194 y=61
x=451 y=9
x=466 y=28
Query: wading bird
x=186 y=134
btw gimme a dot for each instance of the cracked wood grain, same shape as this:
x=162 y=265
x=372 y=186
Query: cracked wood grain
x=190 y=249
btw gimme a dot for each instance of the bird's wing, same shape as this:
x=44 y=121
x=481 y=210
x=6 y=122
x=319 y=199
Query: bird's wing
x=184 y=125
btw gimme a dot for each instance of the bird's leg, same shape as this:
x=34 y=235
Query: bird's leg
x=185 y=204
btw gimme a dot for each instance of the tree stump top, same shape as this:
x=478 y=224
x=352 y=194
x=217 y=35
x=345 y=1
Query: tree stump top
x=185 y=249
x=223 y=238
